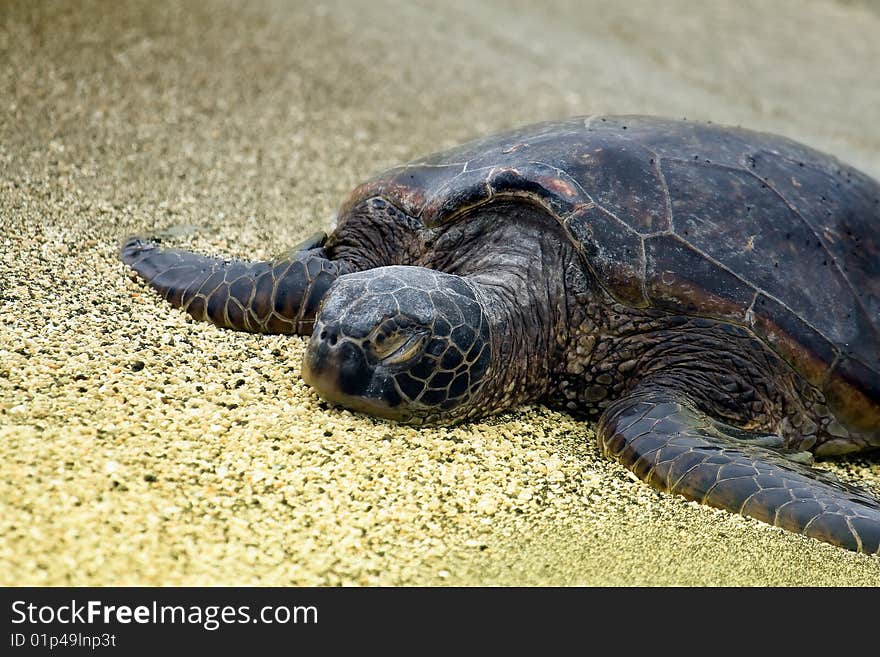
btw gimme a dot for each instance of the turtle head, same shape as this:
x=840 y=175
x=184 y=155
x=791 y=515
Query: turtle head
x=406 y=343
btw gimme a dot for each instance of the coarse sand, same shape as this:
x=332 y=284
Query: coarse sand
x=140 y=448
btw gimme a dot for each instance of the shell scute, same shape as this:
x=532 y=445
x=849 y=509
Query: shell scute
x=746 y=226
x=787 y=334
x=836 y=202
x=614 y=252
x=681 y=279
x=543 y=184
x=687 y=140
x=624 y=179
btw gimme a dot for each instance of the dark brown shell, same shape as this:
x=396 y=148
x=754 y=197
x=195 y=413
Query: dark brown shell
x=694 y=218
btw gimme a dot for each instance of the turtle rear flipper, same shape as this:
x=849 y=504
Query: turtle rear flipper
x=280 y=296
x=659 y=435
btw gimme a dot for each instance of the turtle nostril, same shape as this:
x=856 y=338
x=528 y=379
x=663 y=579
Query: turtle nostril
x=329 y=335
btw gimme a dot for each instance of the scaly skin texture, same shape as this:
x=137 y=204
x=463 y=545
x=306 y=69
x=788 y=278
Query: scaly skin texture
x=726 y=370
x=407 y=343
x=663 y=439
x=479 y=279
x=280 y=296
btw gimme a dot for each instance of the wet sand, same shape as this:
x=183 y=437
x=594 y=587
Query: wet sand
x=138 y=447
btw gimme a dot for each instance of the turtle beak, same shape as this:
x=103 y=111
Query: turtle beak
x=338 y=369
x=333 y=366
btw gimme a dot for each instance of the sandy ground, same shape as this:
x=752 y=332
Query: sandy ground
x=138 y=447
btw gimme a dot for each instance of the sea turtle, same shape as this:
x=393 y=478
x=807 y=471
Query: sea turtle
x=709 y=295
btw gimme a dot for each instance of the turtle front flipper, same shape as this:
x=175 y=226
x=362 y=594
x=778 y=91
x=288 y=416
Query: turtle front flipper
x=280 y=296
x=660 y=435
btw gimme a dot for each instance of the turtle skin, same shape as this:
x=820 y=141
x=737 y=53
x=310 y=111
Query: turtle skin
x=710 y=295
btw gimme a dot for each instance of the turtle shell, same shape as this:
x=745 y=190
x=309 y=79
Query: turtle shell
x=697 y=219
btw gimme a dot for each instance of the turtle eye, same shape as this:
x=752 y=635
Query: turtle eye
x=398 y=347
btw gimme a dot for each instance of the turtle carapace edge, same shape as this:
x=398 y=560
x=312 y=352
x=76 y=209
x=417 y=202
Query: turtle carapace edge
x=709 y=296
